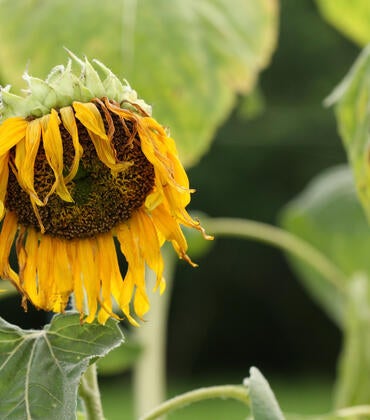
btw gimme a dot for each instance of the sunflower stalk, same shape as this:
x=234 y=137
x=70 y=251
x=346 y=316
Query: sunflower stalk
x=150 y=370
x=90 y=394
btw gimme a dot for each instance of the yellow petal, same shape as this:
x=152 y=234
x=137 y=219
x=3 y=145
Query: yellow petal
x=90 y=117
x=69 y=122
x=25 y=156
x=105 y=259
x=153 y=199
x=62 y=276
x=136 y=265
x=170 y=229
x=78 y=289
x=141 y=303
x=149 y=244
x=88 y=114
x=53 y=146
x=12 y=130
x=86 y=250
x=4 y=174
x=45 y=257
x=7 y=236
x=27 y=259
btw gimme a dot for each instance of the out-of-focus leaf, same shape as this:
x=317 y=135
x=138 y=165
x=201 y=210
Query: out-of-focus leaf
x=188 y=59
x=328 y=215
x=353 y=382
x=263 y=402
x=350 y=17
x=40 y=370
x=352 y=108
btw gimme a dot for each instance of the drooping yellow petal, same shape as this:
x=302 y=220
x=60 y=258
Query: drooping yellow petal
x=12 y=130
x=62 y=276
x=27 y=259
x=149 y=244
x=53 y=146
x=168 y=226
x=141 y=302
x=88 y=114
x=78 y=288
x=86 y=253
x=69 y=122
x=45 y=256
x=4 y=175
x=7 y=236
x=125 y=297
x=136 y=265
x=104 y=262
x=153 y=199
x=25 y=156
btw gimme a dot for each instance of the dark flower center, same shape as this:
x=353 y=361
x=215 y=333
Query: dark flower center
x=101 y=199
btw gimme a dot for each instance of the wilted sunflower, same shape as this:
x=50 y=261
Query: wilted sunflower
x=81 y=162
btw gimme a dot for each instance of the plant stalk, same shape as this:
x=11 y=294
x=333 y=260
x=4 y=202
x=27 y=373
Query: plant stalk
x=262 y=232
x=235 y=392
x=150 y=370
x=89 y=392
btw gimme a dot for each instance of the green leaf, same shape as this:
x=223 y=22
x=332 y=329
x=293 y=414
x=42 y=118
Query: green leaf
x=353 y=382
x=189 y=59
x=352 y=98
x=120 y=359
x=328 y=215
x=349 y=17
x=263 y=402
x=40 y=370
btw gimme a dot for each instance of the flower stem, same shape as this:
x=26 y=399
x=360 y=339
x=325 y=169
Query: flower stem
x=89 y=392
x=235 y=392
x=150 y=370
x=281 y=239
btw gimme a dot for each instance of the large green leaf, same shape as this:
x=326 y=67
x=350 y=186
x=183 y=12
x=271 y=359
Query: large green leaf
x=188 y=58
x=328 y=215
x=352 y=99
x=40 y=370
x=263 y=402
x=352 y=17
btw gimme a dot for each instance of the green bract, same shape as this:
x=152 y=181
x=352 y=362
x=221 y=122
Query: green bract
x=63 y=86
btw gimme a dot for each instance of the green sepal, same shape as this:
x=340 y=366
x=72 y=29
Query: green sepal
x=62 y=87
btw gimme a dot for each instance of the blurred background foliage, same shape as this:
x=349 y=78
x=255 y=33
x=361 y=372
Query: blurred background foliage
x=254 y=168
x=245 y=304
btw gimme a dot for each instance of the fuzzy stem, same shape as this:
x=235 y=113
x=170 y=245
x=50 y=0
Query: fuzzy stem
x=235 y=392
x=89 y=392
x=150 y=370
x=282 y=239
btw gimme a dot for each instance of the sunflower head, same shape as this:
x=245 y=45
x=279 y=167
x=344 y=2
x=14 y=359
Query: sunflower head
x=82 y=162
